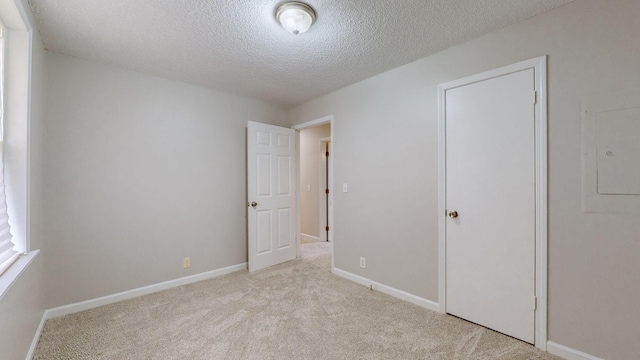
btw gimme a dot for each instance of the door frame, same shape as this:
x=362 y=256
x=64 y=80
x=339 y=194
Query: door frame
x=321 y=121
x=321 y=194
x=540 y=82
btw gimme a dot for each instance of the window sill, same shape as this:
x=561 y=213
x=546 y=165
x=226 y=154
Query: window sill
x=13 y=273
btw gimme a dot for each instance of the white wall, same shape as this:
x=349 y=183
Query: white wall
x=310 y=176
x=593 y=258
x=140 y=172
x=22 y=307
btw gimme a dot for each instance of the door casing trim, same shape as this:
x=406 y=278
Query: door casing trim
x=539 y=65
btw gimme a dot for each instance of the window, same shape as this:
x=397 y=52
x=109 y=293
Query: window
x=8 y=255
x=15 y=252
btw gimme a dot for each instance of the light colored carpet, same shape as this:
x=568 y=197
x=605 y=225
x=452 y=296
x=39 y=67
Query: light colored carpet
x=297 y=310
x=308 y=240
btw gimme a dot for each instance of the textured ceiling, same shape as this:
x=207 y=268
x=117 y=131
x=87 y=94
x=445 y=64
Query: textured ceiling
x=238 y=46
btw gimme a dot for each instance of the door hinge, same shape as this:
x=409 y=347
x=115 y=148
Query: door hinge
x=326 y=228
x=327 y=153
x=326 y=191
x=535 y=303
x=535 y=97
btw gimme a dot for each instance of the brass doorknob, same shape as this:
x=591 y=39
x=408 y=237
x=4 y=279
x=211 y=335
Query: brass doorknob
x=254 y=204
x=453 y=214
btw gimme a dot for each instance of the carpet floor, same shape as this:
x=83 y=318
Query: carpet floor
x=296 y=310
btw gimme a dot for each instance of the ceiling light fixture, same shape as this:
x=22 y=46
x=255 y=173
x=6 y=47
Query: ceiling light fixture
x=295 y=17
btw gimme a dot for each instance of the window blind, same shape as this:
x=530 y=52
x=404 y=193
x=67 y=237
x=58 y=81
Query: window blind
x=8 y=254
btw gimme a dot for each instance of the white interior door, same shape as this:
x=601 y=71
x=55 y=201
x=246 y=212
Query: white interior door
x=490 y=183
x=271 y=190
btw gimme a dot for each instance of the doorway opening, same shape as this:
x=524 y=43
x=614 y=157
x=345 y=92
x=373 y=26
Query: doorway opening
x=315 y=190
x=315 y=174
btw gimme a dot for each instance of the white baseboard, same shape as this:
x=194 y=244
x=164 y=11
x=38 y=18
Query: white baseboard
x=403 y=295
x=110 y=299
x=568 y=353
x=309 y=238
x=36 y=337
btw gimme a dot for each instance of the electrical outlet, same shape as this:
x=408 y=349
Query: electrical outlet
x=186 y=263
x=363 y=263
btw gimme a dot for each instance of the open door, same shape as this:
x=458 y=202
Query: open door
x=271 y=191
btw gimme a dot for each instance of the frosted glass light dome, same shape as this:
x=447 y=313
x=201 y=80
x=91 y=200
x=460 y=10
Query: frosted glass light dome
x=295 y=17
